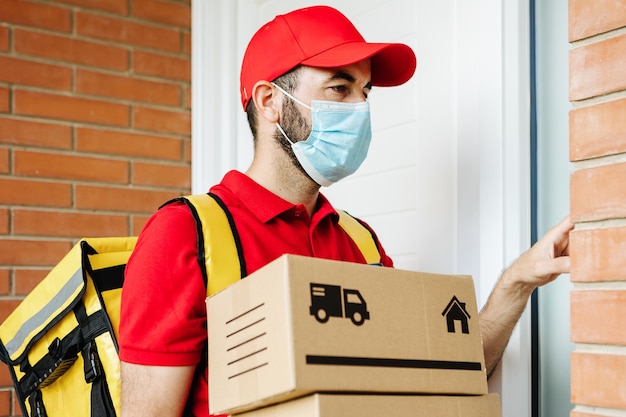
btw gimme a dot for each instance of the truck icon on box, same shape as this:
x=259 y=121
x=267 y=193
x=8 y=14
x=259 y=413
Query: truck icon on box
x=333 y=301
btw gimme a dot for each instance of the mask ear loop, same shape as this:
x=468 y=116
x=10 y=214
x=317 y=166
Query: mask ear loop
x=291 y=97
x=297 y=101
x=284 y=134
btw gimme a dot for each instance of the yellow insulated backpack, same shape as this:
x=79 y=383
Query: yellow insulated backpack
x=60 y=343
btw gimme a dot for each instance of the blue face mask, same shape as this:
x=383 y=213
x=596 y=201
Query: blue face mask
x=340 y=138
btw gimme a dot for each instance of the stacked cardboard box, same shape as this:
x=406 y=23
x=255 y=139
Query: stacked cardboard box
x=312 y=337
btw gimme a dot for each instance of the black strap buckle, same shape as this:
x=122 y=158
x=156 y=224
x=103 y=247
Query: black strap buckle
x=93 y=366
x=37 y=409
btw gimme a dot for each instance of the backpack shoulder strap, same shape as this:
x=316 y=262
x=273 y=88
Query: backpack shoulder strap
x=362 y=236
x=217 y=239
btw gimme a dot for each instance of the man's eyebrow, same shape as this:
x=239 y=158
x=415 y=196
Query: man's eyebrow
x=342 y=75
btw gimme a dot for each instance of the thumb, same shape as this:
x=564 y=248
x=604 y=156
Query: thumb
x=549 y=269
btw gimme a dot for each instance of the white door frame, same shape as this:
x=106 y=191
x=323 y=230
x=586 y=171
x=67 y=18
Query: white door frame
x=493 y=125
x=494 y=129
x=215 y=79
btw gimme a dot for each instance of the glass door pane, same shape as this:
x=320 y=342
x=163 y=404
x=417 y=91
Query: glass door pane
x=552 y=199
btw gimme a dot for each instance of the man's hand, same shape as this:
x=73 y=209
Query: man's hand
x=541 y=264
x=546 y=260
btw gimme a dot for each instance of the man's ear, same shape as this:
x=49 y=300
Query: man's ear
x=267 y=101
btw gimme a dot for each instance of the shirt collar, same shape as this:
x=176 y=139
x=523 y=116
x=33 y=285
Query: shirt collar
x=264 y=204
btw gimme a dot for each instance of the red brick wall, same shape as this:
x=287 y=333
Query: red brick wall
x=95 y=128
x=598 y=206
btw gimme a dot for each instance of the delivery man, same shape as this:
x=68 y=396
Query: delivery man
x=305 y=79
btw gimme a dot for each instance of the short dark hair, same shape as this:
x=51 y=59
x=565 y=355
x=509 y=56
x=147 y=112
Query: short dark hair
x=288 y=82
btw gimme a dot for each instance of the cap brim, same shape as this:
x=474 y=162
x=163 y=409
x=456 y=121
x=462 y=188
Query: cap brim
x=392 y=63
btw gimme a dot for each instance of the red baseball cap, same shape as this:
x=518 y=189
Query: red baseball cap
x=322 y=37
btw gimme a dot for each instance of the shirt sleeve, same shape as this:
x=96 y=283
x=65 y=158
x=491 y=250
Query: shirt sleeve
x=163 y=311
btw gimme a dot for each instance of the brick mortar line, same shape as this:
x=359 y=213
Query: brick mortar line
x=107 y=71
x=73 y=130
x=12 y=281
x=112 y=185
x=73 y=9
x=96 y=155
x=110 y=100
x=130 y=174
x=11 y=157
x=47 y=180
x=599 y=286
x=601 y=411
x=129 y=47
x=130 y=17
x=61 y=239
x=599 y=162
x=600 y=349
x=12 y=297
x=65 y=210
x=24 y=267
x=130 y=127
x=133 y=187
x=601 y=224
x=72 y=239
x=75 y=124
x=130 y=224
x=599 y=37
x=149 y=132
x=11 y=93
x=183 y=157
x=73 y=66
x=72 y=210
x=140 y=77
x=604 y=98
x=11 y=221
x=129 y=130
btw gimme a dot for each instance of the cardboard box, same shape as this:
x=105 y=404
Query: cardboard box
x=302 y=325
x=341 y=405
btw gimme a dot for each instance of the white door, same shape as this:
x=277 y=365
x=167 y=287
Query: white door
x=441 y=186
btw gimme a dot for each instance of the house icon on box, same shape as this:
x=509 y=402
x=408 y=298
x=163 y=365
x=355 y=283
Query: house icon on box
x=455 y=311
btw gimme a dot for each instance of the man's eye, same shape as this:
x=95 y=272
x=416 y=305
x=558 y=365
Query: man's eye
x=340 y=88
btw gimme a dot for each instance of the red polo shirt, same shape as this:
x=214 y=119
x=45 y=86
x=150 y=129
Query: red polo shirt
x=163 y=315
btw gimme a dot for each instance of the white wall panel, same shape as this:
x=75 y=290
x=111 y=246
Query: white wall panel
x=392 y=106
x=387 y=192
x=397 y=144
